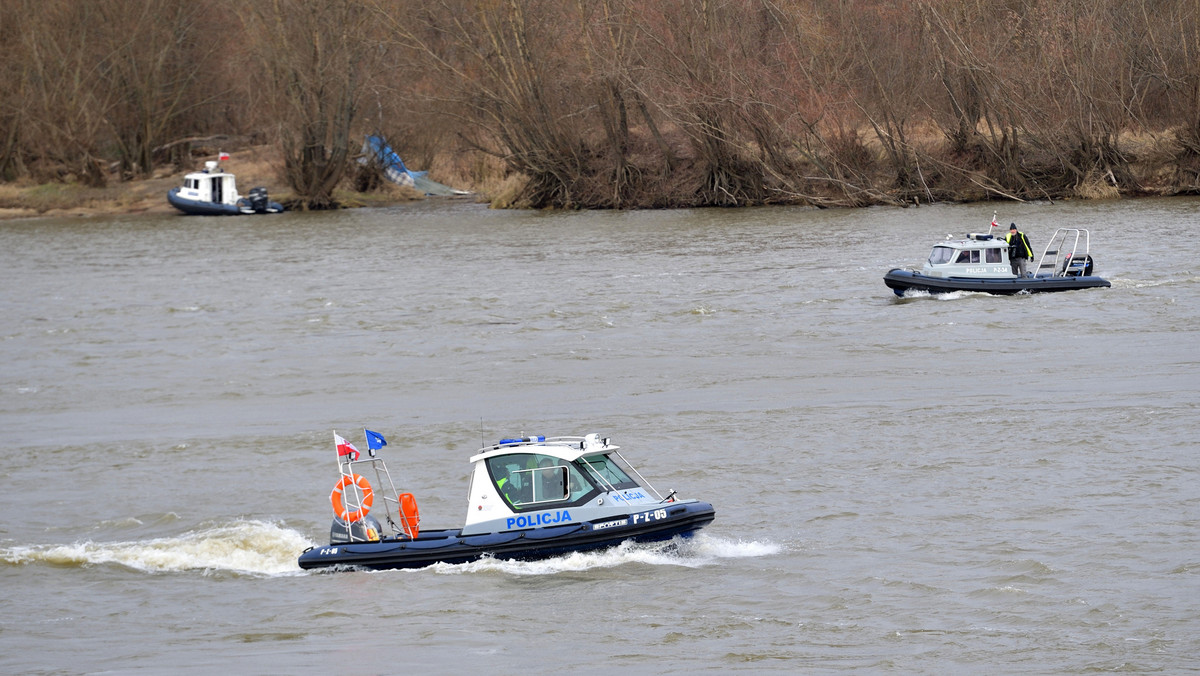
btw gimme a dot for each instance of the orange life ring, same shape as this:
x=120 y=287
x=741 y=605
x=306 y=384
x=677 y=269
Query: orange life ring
x=339 y=503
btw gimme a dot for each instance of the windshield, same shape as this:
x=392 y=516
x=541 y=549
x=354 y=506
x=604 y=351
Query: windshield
x=940 y=255
x=606 y=473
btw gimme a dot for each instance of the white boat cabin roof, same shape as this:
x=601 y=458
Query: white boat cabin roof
x=212 y=169
x=210 y=184
x=976 y=255
x=974 y=240
x=569 y=449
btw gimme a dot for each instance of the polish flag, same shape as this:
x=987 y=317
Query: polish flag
x=223 y=157
x=345 y=447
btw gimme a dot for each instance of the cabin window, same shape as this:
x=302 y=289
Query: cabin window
x=993 y=255
x=533 y=480
x=940 y=255
x=968 y=256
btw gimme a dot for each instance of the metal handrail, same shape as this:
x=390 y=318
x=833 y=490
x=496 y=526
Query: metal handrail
x=386 y=491
x=1061 y=264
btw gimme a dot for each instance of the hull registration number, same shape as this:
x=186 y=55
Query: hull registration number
x=647 y=517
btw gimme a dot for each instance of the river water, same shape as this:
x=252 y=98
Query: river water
x=957 y=484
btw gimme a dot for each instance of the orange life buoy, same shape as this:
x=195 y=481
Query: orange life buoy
x=339 y=503
x=410 y=518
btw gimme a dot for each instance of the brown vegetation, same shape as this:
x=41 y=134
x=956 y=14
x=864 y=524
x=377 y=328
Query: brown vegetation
x=620 y=103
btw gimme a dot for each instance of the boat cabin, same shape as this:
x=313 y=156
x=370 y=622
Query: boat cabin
x=210 y=185
x=977 y=256
x=535 y=481
x=980 y=256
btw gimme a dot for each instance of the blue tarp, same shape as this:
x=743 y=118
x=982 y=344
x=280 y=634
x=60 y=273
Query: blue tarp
x=376 y=148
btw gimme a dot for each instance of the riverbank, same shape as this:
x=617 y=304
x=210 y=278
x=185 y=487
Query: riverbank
x=1155 y=172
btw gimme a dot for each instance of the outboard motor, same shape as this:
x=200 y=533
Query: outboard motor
x=366 y=529
x=258 y=200
x=1076 y=267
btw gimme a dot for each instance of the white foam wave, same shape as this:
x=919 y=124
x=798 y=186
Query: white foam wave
x=702 y=550
x=254 y=547
x=919 y=294
x=262 y=548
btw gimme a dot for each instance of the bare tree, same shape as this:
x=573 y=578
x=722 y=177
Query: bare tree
x=66 y=108
x=13 y=22
x=315 y=59
x=157 y=58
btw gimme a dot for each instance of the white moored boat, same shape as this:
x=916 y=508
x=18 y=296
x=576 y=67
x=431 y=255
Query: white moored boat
x=213 y=192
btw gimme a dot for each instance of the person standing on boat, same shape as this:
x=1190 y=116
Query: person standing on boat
x=1019 y=251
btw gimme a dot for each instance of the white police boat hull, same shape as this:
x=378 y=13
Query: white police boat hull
x=530 y=498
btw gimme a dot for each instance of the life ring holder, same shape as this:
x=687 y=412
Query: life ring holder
x=338 y=501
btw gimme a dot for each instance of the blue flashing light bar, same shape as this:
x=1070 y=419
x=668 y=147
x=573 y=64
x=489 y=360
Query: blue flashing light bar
x=523 y=440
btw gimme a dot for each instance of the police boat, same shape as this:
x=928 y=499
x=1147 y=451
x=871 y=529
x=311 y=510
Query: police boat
x=980 y=262
x=529 y=498
x=213 y=192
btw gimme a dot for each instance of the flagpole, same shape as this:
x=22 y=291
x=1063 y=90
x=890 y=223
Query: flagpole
x=336 y=453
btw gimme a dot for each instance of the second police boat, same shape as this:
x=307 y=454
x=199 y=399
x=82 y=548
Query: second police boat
x=213 y=192
x=980 y=262
x=529 y=498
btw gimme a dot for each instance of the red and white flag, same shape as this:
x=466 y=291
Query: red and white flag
x=994 y=223
x=345 y=447
x=223 y=156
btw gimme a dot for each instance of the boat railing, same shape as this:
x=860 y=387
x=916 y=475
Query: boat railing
x=1063 y=255
x=354 y=499
x=641 y=479
x=543 y=441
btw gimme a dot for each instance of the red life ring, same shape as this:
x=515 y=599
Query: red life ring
x=339 y=503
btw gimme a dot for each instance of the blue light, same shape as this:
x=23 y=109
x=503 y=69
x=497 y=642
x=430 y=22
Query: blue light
x=523 y=440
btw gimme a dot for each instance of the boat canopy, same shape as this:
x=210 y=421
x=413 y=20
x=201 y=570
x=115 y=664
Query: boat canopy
x=210 y=185
x=532 y=474
x=976 y=255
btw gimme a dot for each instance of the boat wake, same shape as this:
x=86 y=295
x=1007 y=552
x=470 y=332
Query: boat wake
x=912 y=295
x=698 y=551
x=268 y=549
x=1130 y=283
x=248 y=547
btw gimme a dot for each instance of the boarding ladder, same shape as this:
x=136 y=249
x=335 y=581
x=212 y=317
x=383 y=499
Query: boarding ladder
x=399 y=508
x=1067 y=254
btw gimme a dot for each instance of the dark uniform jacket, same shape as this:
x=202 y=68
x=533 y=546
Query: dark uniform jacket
x=1018 y=245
